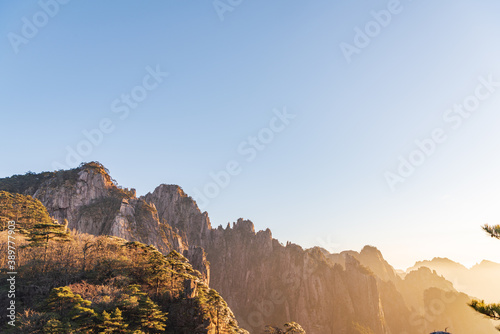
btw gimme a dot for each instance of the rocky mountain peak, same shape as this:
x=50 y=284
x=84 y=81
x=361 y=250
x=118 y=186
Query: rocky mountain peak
x=262 y=280
x=244 y=226
x=371 y=251
x=487 y=264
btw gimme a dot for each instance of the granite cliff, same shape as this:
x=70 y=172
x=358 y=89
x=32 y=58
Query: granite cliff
x=263 y=281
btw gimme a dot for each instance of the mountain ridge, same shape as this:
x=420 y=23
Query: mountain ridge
x=262 y=280
x=475 y=281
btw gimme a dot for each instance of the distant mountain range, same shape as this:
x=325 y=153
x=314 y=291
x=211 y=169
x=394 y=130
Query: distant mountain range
x=476 y=281
x=264 y=281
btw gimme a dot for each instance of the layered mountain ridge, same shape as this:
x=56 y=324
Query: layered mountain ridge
x=263 y=281
x=475 y=281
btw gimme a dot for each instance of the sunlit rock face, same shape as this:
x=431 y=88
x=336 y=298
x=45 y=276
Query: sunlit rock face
x=263 y=281
x=64 y=199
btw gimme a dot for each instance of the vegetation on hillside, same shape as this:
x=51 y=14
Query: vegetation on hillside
x=24 y=210
x=69 y=282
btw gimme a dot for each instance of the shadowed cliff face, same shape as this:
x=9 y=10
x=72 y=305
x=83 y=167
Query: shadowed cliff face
x=421 y=302
x=263 y=281
x=180 y=212
x=271 y=284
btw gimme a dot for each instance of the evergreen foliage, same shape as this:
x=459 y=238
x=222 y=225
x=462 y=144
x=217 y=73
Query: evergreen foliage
x=81 y=283
x=491 y=311
x=112 y=323
x=71 y=312
x=493 y=231
x=40 y=234
x=24 y=210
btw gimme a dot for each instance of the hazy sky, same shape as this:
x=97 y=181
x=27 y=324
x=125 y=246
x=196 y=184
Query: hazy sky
x=302 y=110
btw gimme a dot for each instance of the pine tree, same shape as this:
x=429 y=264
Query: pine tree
x=71 y=308
x=54 y=326
x=219 y=306
x=142 y=313
x=493 y=231
x=492 y=311
x=42 y=233
x=158 y=268
x=113 y=323
x=179 y=266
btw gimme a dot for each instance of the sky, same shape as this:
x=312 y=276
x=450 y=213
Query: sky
x=333 y=123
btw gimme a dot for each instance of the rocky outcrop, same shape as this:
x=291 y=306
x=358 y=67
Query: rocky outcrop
x=65 y=199
x=263 y=281
x=180 y=212
x=93 y=203
x=421 y=301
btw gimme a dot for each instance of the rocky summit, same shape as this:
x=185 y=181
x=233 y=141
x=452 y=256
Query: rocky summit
x=263 y=281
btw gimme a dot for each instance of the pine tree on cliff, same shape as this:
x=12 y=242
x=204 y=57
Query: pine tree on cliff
x=158 y=268
x=218 y=305
x=70 y=311
x=141 y=312
x=179 y=266
x=40 y=235
x=492 y=311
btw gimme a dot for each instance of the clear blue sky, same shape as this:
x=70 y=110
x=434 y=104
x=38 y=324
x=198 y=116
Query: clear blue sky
x=319 y=181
